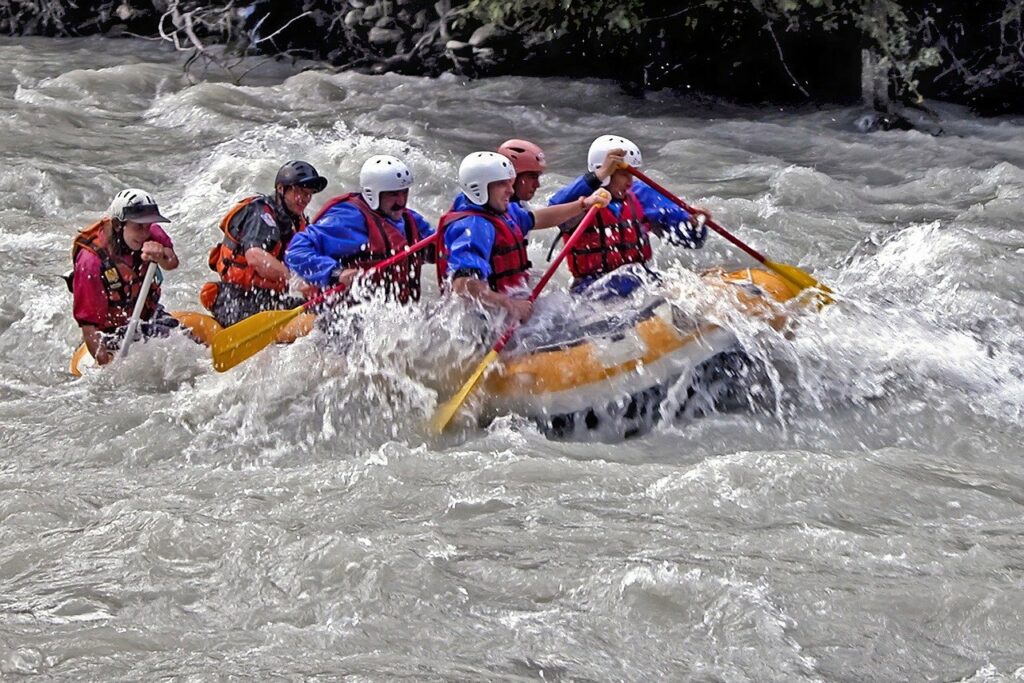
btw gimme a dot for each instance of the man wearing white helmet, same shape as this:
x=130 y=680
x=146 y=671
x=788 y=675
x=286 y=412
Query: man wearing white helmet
x=485 y=233
x=249 y=258
x=110 y=260
x=360 y=229
x=620 y=235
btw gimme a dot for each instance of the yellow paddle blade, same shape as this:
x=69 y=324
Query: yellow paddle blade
x=235 y=344
x=444 y=414
x=801 y=279
x=81 y=353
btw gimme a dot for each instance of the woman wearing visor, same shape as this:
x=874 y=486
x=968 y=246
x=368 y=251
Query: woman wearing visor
x=110 y=260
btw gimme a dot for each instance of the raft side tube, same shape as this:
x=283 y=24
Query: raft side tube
x=201 y=329
x=653 y=351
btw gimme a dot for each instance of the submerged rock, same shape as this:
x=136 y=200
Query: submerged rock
x=489 y=35
x=897 y=119
x=459 y=48
x=354 y=17
x=385 y=36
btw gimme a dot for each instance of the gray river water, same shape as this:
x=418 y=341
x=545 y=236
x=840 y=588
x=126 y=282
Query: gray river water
x=292 y=518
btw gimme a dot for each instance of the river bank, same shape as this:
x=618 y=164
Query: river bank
x=888 y=56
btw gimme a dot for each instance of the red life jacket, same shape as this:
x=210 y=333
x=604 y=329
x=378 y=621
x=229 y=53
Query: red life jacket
x=402 y=280
x=612 y=241
x=228 y=258
x=510 y=266
x=122 y=276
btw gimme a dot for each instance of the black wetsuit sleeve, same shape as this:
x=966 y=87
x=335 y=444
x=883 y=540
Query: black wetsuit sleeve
x=256 y=228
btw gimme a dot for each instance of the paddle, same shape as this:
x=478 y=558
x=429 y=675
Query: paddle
x=140 y=303
x=444 y=414
x=244 y=339
x=800 y=279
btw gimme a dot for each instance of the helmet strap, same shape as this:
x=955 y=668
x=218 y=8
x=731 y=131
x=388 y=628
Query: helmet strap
x=279 y=191
x=120 y=246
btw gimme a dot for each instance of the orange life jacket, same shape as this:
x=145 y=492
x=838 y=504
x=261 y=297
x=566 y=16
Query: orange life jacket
x=510 y=265
x=612 y=241
x=228 y=258
x=122 y=277
x=402 y=280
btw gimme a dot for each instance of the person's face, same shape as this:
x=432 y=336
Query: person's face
x=296 y=199
x=498 y=195
x=619 y=183
x=392 y=203
x=135 y=234
x=526 y=185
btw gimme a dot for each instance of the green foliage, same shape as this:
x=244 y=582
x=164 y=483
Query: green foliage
x=586 y=18
x=887 y=29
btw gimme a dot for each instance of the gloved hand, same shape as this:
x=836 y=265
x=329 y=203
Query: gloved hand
x=690 y=233
x=299 y=287
x=518 y=309
x=600 y=197
x=344 y=276
x=154 y=252
x=613 y=161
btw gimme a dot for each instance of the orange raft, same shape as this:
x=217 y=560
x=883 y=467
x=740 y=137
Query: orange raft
x=201 y=328
x=622 y=367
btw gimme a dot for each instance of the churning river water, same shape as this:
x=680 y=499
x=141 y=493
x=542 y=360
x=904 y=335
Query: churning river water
x=293 y=518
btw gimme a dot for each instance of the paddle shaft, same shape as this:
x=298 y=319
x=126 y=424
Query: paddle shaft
x=797 y=278
x=710 y=222
x=588 y=219
x=447 y=411
x=386 y=263
x=140 y=303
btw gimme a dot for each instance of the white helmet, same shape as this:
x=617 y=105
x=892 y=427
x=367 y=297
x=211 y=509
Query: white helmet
x=479 y=170
x=600 y=147
x=383 y=173
x=137 y=206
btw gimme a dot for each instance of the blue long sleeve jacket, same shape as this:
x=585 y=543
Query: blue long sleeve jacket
x=657 y=209
x=317 y=251
x=469 y=240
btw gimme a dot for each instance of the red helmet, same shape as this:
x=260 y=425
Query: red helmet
x=525 y=156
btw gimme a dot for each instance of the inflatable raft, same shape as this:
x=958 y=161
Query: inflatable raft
x=620 y=365
x=201 y=328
